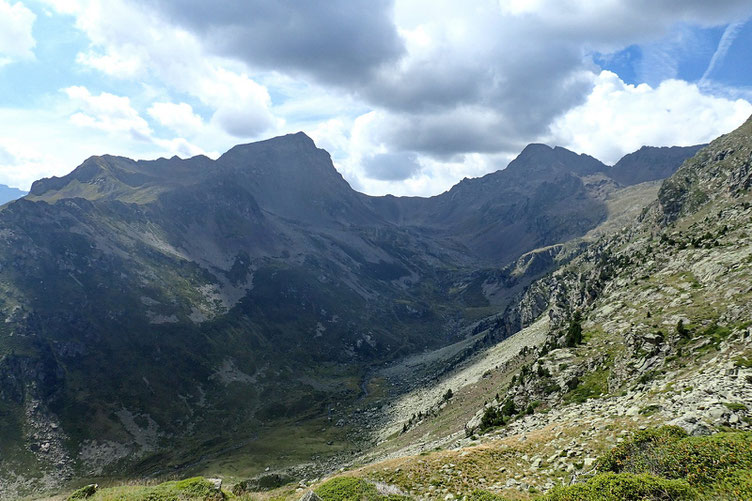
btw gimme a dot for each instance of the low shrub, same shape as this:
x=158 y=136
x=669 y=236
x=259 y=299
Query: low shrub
x=624 y=487
x=83 y=493
x=265 y=482
x=708 y=463
x=481 y=495
x=347 y=489
x=352 y=489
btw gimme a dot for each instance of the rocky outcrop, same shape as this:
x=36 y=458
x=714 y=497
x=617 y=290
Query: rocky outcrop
x=722 y=169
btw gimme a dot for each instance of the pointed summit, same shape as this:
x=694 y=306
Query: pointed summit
x=297 y=142
x=539 y=157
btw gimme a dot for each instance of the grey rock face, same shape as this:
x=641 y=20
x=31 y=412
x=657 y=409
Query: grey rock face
x=310 y=496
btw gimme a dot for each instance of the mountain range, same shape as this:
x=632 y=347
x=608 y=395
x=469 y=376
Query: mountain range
x=161 y=316
x=8 y=194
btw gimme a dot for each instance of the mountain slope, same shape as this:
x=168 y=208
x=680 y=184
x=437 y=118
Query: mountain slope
x=647 y=326
x=187 y=297
x=142 y=300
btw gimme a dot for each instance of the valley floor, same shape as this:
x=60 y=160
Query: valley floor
x=436 y=459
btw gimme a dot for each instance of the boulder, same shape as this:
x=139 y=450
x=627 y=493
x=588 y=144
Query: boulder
x=216 y=483
x=310 y=496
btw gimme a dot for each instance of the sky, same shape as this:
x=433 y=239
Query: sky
x=408 y=96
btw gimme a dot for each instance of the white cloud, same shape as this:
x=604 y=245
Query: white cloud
x=618 y=118
x=178 y=117
x=16 y=38
x=242 y=105
x=107 y=112
x=612 y=24
x=117 y=64
x=67 y=143
x=615 y=119
x=23 y=161
x=182 y=148
x=130 y=41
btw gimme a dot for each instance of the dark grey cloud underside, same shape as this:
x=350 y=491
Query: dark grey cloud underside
x=391 y=166
x=337 y=41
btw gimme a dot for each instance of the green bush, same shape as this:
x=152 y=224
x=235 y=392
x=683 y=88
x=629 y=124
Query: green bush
x=191 y=489
x=624 y=487
x=638 y=455
x=574 y=331
x=351 y=489
x=84 y=492
x=649 y=410
x=265 y=482
x=592 y=385
x=509 y=409
x=491 y=417
x=718 y=463
x=736 y=486
x=743 y=362
x=681 y=329
x=481 y=495
x=735 y=406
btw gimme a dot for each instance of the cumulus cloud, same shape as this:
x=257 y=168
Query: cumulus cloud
x=610 y=25
x=23 y=161
x=118 y=64
x=107 y=112
x=618 y=118
x=6 y=157
x=176 y=116
x=131 y=41
x=371 y=167
x=115 y=115
x=615 y=119
x=242 y=105
x=181 y=147
x=16 y=38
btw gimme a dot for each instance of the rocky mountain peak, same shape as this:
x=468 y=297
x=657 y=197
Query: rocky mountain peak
x=540 y=157
x=650 y=163
x=297 y=143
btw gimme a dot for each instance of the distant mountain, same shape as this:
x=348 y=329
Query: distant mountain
x=157 y=312
x=651 y=163
x=8 y=194
x=541 y=198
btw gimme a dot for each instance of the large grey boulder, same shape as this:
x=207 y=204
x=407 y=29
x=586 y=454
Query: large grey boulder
x=310 y=496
